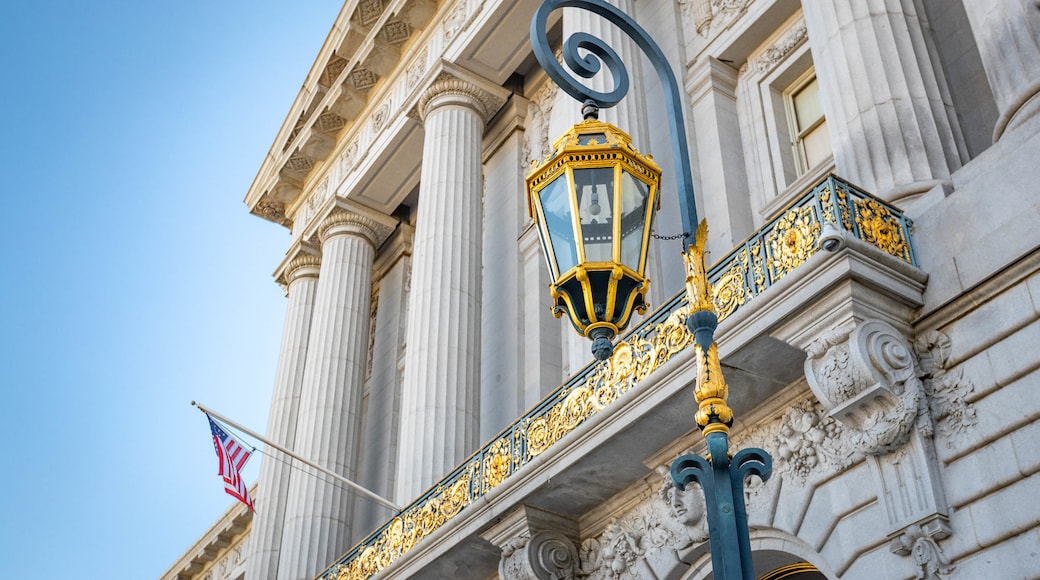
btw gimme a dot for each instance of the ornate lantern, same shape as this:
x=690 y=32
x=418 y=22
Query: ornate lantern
x=594 y=201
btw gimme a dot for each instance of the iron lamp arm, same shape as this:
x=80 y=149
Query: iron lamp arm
x=589 y=65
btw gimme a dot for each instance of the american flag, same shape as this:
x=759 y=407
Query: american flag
x=232 y=456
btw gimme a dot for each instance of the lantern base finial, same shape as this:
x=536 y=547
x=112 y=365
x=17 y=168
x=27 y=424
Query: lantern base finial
x=589 y=109
x=602 y=348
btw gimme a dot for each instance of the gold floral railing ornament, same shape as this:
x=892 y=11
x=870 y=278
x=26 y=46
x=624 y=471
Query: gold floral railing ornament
x=793 y=240
x=779 y=247
x=634 y=359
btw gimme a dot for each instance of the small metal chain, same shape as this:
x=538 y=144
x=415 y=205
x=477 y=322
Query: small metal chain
x=675 y=237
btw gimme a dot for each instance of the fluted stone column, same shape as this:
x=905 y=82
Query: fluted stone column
x=381 y=426
x=1008 y=37
x=893 y=128
x=440 y=393
x=300 y=277
x=319 y=512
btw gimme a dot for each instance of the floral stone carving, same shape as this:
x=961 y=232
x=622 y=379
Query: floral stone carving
x=946 y=389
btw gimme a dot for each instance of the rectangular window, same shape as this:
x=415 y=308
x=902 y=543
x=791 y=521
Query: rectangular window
x=812 y=143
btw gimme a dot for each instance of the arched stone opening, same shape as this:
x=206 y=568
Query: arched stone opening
x=776 y=555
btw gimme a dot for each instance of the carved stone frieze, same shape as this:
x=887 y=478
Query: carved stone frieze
x=712 y=16
x=807 y=441
x=380 y=117
x=651 y=537
x=456 y=20
x=537 y=141
x=781 y=48
x=417 y=69
x=614 y=554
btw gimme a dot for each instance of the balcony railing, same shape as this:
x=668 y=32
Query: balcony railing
x=779 y=247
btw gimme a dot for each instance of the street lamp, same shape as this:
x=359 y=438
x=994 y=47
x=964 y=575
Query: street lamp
x=594 y=201
x=598 y=283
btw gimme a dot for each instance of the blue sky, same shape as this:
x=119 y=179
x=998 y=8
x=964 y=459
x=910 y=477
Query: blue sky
x=134 y=279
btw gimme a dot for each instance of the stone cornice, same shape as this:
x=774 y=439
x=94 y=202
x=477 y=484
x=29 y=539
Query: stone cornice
x=363 y=48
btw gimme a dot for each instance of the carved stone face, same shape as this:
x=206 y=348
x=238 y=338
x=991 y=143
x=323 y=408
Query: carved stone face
x=687 y=506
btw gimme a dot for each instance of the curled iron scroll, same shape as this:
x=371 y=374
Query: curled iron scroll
x=589 y=65
x=599 y=54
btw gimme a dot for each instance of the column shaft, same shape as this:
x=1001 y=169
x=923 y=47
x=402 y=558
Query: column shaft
x=440 y=394
x=1008 y=37
x=275 y=473
x=381 y=425
x=319 y=512
x=892 y=124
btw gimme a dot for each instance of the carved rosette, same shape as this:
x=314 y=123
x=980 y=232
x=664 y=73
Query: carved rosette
x=866 y=377
x=272 y=211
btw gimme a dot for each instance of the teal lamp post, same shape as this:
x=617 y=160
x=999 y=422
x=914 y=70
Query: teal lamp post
x=593 y=201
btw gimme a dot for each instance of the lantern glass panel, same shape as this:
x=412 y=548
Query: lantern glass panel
x=592 y=139
x=556 y=209
x=635 y=197
x=595 y=190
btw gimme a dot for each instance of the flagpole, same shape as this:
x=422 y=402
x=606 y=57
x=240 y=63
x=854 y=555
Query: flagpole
x=370 y=495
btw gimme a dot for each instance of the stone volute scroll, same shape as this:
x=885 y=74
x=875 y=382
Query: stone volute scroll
x=536 y=545
x=866 y=377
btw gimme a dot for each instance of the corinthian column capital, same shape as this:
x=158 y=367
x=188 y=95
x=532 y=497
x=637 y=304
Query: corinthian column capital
x=303 y=260
x=454 y=86
x=345 y=218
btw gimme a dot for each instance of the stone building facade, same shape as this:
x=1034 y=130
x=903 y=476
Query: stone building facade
x=892 y=380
